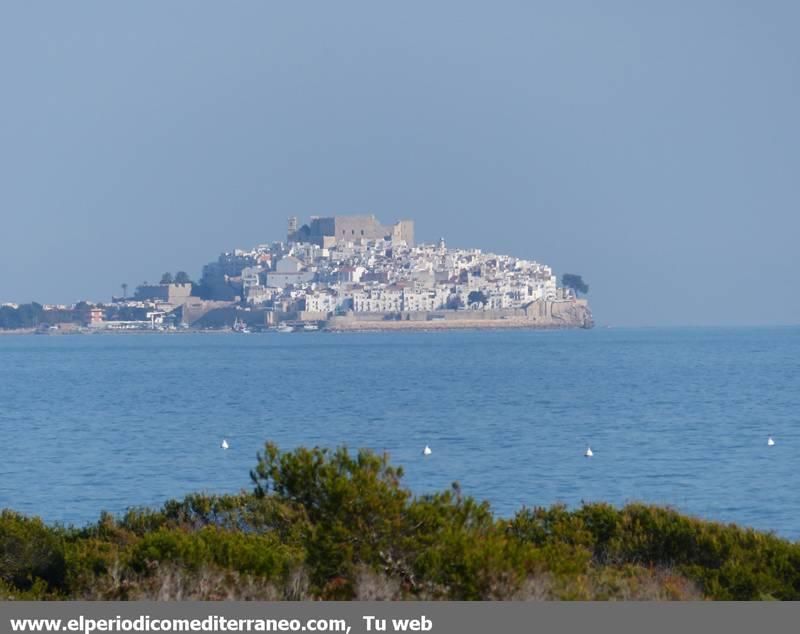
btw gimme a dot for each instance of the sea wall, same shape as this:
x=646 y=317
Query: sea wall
x=570 y=313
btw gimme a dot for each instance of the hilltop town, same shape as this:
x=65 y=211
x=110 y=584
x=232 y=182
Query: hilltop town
x=337 y=273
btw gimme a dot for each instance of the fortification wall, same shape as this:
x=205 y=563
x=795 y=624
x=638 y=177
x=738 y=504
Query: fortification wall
x=327 y=231
x=311 y=315
x=195 y=309
x=571 y=313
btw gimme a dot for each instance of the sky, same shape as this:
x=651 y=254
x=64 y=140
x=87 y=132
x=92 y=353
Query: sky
x=652 y=147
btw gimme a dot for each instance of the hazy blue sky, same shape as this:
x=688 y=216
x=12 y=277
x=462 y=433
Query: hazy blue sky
x=652 y=147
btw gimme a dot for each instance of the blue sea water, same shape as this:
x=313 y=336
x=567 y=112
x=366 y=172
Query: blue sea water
x=674 y=416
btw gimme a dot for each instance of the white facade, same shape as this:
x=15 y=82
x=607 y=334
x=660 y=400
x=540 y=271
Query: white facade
x=385 y=277
x=322 y=302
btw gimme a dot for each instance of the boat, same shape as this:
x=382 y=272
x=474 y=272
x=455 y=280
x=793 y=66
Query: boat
x=285 y=328
x=310 y=327
x=240 y=327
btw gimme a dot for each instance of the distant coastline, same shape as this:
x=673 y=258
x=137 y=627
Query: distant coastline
x=336 y=325
x=540 y=314
x=339 y=273
x=354 y=327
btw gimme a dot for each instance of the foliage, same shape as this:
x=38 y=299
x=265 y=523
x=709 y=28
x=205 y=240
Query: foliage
x=29 y=551
x=260 y=554
x=181 y=277
x=213 y=285
x=337 y=524
x=575 y=282
x=24 y=316
x=477 y=297
x=354 y=504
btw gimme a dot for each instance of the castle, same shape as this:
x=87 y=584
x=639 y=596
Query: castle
x=326 y=232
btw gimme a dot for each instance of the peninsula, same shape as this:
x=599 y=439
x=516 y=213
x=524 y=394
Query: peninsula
x=338 y=273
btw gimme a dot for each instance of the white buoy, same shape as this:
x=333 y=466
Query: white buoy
x=770 y=442
x=589 y=453
x=224 y=444
x=427 y=451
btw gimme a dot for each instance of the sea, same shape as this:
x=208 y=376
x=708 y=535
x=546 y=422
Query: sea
x=678 y=417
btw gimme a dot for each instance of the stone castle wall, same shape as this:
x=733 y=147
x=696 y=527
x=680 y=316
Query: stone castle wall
x=569 y=313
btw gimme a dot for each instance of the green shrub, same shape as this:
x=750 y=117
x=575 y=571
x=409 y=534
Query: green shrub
x=262 y=555
x=354 y=504
x=87 y=559
x=336 y=525
x=243 y=512
x=30 y=551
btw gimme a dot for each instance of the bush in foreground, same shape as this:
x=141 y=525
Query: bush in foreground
x=331 y=524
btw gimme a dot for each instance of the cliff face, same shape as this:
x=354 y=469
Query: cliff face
x=569 y=313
